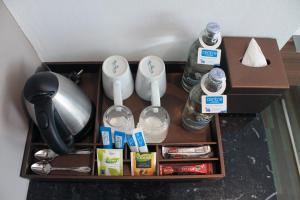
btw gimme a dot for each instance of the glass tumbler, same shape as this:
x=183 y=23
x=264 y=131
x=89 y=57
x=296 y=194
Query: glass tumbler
x=155 y=122
x=119 y=118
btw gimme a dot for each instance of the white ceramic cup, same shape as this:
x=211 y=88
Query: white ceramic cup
x=151 y=83
x=117 y=79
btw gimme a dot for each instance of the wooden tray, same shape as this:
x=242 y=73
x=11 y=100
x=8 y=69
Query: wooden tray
x=173 y=101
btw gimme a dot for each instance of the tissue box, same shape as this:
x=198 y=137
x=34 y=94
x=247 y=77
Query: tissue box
x=251 y=89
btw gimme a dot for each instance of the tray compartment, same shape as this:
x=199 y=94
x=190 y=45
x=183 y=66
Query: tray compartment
x=214 y=156
x=126 y=172
x=127 y=168
x=64 y=160
x=216 y=167
x=89 y=84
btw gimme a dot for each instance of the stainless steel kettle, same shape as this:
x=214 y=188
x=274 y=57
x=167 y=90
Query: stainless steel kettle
x=61 y=111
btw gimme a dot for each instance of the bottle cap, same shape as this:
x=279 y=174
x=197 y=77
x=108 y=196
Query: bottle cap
x=213 y=27
x=217 y=74
x=213 y=33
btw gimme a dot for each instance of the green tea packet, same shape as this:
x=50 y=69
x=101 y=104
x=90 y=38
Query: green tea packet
x=110 y=162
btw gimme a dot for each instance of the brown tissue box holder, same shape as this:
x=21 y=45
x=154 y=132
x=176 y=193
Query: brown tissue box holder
x=252 y=89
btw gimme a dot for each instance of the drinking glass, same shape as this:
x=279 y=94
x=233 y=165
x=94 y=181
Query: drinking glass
x=155 y=122
x=119 y=118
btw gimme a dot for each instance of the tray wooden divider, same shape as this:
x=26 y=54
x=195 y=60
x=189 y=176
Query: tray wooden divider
x=173 y=101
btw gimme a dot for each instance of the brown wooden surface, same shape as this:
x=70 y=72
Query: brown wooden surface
x=173 y=101
x=251 y=90
x=249 y=103
x=273 y=76
x=291 y=60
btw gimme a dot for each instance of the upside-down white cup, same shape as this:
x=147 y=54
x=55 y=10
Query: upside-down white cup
x=150 y=83
x=117 y=79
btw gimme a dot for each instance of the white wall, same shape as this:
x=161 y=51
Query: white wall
x=17 y=61
x=297 y=32
x=67 y=30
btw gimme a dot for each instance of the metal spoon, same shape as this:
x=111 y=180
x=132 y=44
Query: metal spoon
x=48 y=154
x=44 y=168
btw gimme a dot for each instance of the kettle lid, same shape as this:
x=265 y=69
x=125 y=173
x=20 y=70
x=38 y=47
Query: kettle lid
x=40 y=84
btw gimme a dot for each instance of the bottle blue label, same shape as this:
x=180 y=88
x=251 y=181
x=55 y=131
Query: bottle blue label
x=214 y=104
x=214 y=100
x=209 y=53
x=209 y=56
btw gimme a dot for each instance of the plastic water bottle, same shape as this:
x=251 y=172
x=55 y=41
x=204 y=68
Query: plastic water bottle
x=192 y=116
x=193 y=71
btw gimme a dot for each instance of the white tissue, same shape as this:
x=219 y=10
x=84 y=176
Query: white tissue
x=254 y=57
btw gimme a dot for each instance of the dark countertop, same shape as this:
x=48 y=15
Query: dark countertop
x=247 y=167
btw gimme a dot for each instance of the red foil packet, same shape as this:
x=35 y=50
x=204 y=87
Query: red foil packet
x=196 y=169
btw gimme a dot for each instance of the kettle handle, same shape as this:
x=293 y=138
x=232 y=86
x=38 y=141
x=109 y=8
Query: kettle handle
x=44 y=112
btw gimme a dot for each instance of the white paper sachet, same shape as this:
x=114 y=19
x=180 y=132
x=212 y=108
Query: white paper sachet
x=254 y=57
